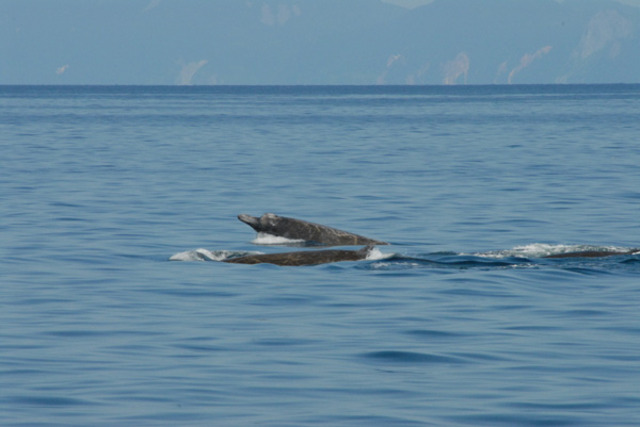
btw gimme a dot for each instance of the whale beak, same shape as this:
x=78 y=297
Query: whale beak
x=249 y=220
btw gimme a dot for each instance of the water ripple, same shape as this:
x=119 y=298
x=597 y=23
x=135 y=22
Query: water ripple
x=410 y=357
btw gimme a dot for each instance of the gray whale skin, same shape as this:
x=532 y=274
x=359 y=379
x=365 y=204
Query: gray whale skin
x=297 y=229
x=304 y=257
x=592 y=254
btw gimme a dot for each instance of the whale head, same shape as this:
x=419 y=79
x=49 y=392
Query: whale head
x=265 y=223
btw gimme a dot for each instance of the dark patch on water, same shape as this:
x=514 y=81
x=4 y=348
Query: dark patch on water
x=47 y=401
x=410 y=357
x=434 y=335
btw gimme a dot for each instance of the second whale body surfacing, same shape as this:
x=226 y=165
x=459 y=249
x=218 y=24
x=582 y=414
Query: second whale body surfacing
x=304 y=257
x=297 y=229
x=593 y=254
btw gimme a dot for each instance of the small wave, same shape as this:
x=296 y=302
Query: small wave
x=409 y=357
x=267 y=239
x=207 y=255
x=400 y=264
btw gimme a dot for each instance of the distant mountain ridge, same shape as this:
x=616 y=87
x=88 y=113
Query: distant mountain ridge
x=318 y=42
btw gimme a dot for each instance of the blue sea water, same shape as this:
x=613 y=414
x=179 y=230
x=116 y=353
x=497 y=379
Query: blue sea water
x=460 y=321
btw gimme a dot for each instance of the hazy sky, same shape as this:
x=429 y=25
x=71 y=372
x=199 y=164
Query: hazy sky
x=319 y=41
x=410 y=4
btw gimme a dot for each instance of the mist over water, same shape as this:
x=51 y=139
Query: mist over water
x=460 y=321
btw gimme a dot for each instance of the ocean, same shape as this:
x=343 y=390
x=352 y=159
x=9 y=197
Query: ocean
x=460 y=321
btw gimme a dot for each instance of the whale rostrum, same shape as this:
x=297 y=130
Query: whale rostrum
x=297 y=229
x=304 y=257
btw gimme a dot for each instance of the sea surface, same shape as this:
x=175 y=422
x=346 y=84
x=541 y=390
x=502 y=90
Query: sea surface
x=461 y=321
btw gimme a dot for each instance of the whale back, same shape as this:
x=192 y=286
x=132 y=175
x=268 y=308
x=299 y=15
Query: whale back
x=297 y=229
x=592 y=254
x=300 y=258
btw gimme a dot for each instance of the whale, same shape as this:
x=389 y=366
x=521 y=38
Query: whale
x=593 y=254
x=307 y=257
x=297 y=229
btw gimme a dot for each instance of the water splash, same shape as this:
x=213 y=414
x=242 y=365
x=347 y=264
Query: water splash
x=207 y=255
x=376 y=254
x=267 y=239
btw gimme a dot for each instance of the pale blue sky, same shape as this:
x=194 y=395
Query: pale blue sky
x=319 y=42
x=410 y=4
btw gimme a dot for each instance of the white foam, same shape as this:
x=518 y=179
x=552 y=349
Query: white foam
x=195 y=255
x=207 y=255
x=376 y=254
x=270 y=239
